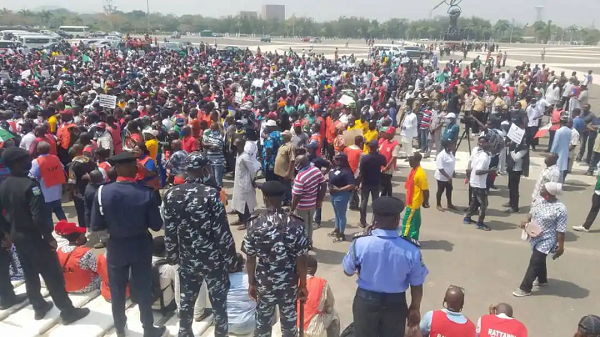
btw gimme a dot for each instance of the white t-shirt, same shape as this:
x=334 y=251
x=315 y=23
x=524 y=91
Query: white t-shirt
x=480 y=161
x=444 y=161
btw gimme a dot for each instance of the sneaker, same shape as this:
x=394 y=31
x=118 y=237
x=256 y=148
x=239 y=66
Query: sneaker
x=507 y=205
x=521 y=293
x=73 y=315
x=100 y=245
x=42 y=310
x=13 y=301
x=537 y=283
x=468 y=221
x=155 y=331
x=580 y=229
x=121 y=333
x=483 y=227
x=511 y=210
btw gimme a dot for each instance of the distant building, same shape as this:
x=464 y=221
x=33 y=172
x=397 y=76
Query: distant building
x=539 y=13
x=273 y=12
x=248 y=15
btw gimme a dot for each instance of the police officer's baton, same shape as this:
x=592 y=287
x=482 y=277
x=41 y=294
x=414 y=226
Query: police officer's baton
x=301 y=327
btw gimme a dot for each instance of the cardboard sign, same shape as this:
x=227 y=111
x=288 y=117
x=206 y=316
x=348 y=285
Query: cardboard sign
x=515 y=134
x=346 y=100
x=107 y=101
x=349 y=136
x=258 y=82
x=26 y=74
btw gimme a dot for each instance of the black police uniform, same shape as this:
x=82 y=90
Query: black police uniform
x=198 y=238
x=276 y=239
x=127 y=210
x=31 y=232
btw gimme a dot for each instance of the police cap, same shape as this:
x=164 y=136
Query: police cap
x=273 y=188
x=387 y=206
x=14 y=154
x=125 y=157
x=196 y=160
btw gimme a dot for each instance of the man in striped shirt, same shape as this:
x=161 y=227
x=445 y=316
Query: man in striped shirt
x=308 y=192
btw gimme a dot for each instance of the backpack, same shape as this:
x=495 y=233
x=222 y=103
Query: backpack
x=156 y=290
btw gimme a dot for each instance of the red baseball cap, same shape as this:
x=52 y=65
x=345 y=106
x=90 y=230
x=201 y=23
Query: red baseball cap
x=391 y=130
x=63 y=228
x=272 y=115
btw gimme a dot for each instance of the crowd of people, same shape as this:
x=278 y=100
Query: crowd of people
x=143 y=141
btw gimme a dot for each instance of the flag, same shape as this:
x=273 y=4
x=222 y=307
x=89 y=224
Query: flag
x=85 y=58
x=543 y=131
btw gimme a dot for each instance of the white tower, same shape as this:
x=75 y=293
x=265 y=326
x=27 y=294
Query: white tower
x=539 y=13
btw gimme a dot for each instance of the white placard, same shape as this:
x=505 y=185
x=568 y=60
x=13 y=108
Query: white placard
x=515 y=134
x=4 y=75
x=60 y=84
x=258 y=82
x=45 y=73
x=25 y=74
x=239 y=96
x=107 y=101
x=346 y=100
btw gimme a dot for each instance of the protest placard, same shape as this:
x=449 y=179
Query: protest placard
x=515 y=134
x=107 y=101
x=25 y=74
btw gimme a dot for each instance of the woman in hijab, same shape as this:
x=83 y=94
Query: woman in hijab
x=545 y=226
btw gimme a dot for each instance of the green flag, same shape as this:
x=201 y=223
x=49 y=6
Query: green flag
x=85 y=58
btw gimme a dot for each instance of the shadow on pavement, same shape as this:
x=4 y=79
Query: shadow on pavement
x=496 y=225
x=329 y=256
x=444 y=245
x=571 y=237
x=563 y=288
x=568 y=187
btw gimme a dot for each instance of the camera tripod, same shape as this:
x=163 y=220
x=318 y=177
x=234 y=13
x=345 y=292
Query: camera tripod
x=466 y=134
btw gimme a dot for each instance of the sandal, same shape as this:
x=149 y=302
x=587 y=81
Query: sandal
x=241 y=227
x=334 y=233
x=340 y=238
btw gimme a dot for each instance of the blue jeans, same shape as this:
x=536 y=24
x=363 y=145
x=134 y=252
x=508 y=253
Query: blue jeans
x=340 y=207
x=56 y=208
x=317 y=217
x=218 y=172
x=423 y=139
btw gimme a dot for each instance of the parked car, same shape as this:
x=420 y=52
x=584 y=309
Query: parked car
x=172 y=46
x=305 y=39
x=415 y=52
x=265 y=39
x=315 y=40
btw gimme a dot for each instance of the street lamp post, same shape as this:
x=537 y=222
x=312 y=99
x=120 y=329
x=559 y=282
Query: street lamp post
x=148 y=14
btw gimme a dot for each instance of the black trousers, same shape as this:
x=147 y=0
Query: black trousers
x=354 y=200
x=593 y=213
x=365 y=190
x=443 y=186
x=535 y=270
x=243 y=217
x=587 y=141
x=531 y=140
x=37 y=258
x=80 y=209
x=514 y=178
x=386 y=185
x=6 y=289
x=379 y=314
x=594 y=162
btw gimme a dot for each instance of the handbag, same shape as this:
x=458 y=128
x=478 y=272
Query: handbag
x=532 y=229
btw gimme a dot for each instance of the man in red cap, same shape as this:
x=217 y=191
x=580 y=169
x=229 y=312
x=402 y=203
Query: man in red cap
x=389 y=148
x=78 y=262
x=299 y=137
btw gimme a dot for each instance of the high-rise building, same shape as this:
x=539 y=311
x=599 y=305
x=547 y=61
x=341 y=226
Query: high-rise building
x=273 y=12
x=248 y=15
x=539 y=13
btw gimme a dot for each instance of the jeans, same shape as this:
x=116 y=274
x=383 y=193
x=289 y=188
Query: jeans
x=218 y=172
x=593 y=213
x=424 y=140
x=479 y=199
x=56 y=208
x=340 y=201
x=535 y=270
x=317 y=217
x=594 y=162
x=365 y=190
x=587 y=140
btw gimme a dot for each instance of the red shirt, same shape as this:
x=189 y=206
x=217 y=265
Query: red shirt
x=492 y=325
x=189 y=144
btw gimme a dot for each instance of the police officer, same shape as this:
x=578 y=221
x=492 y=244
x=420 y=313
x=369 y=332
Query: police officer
x=276 y=244
x=386 y=265
x=198 y=238
x=31 y=231
x=127 y=210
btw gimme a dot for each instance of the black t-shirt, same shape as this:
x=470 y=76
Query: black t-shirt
x=370 y=166
x=453 y=104
x=319 y=162
x=340 y=177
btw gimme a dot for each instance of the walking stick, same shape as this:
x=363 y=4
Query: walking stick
x=301 y=332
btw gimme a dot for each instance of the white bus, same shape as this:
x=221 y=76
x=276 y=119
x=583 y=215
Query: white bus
x=36 y=41
x=10 y=34
x=75 y=31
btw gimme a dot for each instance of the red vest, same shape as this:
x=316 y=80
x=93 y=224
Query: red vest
x=318 y=139
x=51 y=170
x=105 y=166
x=102 y=268
x=315 y=286
x=75 y=278
x=493 y=326
x=116 y=137
x=441 y=326
x=154 y=182
x=386 y=149
x=353 y=157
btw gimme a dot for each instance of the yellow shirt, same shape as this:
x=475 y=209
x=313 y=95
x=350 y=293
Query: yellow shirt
x=52 y=121
x=152 y=146
x=420 y=185
x=369 y=136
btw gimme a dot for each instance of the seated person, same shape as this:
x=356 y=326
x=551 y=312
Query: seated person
x=320 y=316
x=450 y=321
x=102 y=268
x=78 y=262
x=241 y=308
x=168 y=279
x=500 y=322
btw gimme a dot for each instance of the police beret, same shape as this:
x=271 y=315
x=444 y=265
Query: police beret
x=196 y=160
x=13 y=154
x=387 y=206
x=273 y=188
x=124 y=157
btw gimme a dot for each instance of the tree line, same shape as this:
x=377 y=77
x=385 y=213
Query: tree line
x=137 y=21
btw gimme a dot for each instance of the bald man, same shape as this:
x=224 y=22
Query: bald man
x=500 y=322
x=449 y=322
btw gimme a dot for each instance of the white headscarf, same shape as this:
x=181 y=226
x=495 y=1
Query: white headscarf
x=553 y=188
